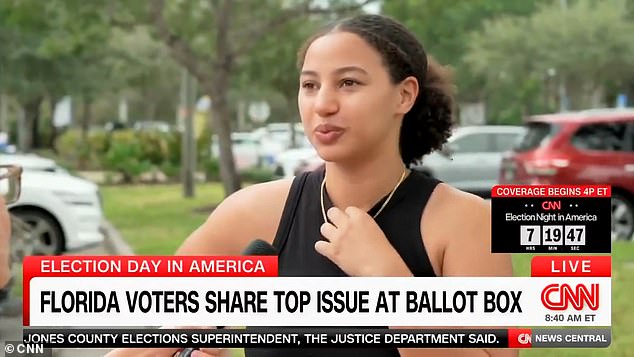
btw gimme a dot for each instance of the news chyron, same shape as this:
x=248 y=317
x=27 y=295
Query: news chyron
x=109 y=301
x=569 y=221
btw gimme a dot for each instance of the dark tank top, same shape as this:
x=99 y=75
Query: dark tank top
x=299 y=230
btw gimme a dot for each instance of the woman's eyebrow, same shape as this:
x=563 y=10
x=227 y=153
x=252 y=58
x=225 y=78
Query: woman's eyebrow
x=339 y=70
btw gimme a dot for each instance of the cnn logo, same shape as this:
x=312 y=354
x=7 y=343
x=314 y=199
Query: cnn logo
x=561 y=296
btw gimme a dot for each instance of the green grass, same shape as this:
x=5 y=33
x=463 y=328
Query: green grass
x=156 y=219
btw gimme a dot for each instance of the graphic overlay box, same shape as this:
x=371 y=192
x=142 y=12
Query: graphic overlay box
x=163 y=296
x=141 y=301
x=551 y=219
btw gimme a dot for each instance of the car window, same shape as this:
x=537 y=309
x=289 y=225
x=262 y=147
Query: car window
x=477 y=142
x=629 y=137
x=537 y=135
x=505 y=141
x=602 y=137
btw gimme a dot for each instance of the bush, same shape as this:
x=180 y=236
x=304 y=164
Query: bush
x=171 y=170
x=154 y=146
x=66 y=145
x=82 y=155
x=125 y=155
x=98 y=144
x=212 y=169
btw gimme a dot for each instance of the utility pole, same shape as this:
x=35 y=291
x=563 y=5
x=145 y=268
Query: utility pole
x=188 y=142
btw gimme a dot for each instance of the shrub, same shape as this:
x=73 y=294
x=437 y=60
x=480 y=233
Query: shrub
x=125 y=155
x=212 y=169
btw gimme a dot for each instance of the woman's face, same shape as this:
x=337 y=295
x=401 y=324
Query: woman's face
x=348 y=105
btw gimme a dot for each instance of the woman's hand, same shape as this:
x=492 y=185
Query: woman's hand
x=358 y=245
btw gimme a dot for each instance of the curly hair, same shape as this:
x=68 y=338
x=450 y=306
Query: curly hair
x=428 y=124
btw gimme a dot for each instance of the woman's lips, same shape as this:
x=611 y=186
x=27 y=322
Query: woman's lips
x=328 y=134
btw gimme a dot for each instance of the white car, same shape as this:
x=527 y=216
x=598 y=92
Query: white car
x=289 y=161
x=471 y=159
x=64 y=211
x=245 y=147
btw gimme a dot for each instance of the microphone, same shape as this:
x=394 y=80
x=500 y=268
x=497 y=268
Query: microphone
x=259 y=247
x=256 y=247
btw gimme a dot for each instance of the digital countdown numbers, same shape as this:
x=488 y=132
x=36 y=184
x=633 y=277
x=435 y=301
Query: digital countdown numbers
x=551 y=219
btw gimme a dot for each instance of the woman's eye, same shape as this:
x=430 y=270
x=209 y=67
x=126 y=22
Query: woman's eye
x=348 y=82
x=309 y=85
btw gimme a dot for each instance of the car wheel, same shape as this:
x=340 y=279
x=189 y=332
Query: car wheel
x=45 y=231
x=622 y=218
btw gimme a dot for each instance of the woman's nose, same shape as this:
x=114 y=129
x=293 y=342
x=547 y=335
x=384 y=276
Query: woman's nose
x=326 y=102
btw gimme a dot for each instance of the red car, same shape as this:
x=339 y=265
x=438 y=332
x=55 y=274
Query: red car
x=588 y=147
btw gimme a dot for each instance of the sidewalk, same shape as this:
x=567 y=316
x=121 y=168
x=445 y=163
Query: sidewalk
x=11 y=328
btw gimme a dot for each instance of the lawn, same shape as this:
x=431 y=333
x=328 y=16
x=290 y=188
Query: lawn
x=155 y=219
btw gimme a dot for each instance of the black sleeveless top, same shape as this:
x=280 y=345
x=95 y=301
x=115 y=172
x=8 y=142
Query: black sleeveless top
x=299 y=230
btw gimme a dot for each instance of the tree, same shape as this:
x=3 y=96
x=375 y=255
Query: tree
x=443 y=27
x=582 y=46
x=211 y=39
x=51 y=49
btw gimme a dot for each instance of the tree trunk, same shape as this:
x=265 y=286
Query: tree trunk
x=37 y=142
x=51 y=139
x=86 y=118
x=31 y=111
x=222 y=127
x=219 y=88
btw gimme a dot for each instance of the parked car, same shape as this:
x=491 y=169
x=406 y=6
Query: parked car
x=289 y=161
x=587 y=147
x=471 y=158
x=245 y=147
x=31 y=162
x=64 y=211
x=275 y=139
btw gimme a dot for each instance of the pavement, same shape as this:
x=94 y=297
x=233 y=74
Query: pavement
x=11 y=327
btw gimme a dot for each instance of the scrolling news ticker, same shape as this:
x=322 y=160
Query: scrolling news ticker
x=551 y=219
x=316 y=338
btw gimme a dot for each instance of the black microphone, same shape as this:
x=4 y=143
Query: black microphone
x=259 y=247
x=256 y=247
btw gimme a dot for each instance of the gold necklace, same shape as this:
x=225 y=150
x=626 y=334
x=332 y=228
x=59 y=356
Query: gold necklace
x=323 y=186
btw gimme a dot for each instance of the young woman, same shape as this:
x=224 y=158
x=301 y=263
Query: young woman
x=371 y=102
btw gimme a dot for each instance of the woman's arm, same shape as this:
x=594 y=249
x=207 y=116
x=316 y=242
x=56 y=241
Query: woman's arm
x=458 y=227
x=225 y=233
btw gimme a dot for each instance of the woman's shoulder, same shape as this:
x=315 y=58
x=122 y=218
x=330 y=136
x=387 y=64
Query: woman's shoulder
x=450 y=209
x=259 y=194
x=260 y=204
x=252 y=212
x=459 y=224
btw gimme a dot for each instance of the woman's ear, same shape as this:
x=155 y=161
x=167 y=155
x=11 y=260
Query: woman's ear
x=408 y=92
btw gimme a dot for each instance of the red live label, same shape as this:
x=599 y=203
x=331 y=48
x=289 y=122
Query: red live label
x=520 y=338
x=572 y=266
